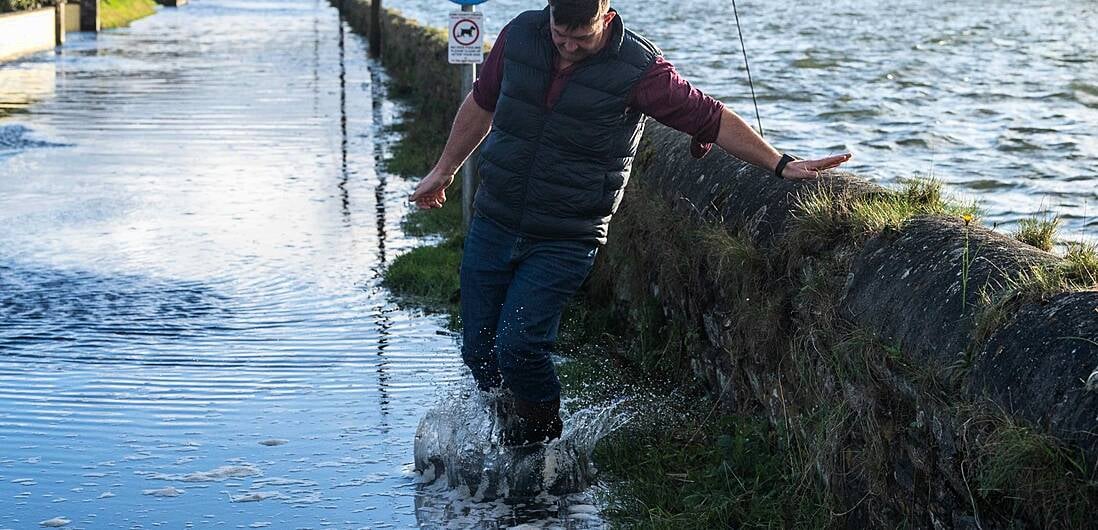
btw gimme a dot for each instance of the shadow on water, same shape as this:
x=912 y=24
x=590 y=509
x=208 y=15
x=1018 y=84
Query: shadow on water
x=24 y=83
x=15 y=138
x=50 y=306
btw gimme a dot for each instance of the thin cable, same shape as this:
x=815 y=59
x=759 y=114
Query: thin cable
x=758 y=117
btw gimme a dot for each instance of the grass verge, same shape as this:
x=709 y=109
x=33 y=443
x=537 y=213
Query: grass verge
x=120 y=13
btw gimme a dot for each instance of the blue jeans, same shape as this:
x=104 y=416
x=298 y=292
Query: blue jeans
x=513 y=290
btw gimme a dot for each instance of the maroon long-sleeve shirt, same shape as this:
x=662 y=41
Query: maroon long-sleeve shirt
x=661 y=93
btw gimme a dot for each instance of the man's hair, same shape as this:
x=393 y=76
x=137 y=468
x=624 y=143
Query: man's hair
x=574 y=14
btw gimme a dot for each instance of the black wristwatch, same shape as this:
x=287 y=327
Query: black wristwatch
x=786 y=159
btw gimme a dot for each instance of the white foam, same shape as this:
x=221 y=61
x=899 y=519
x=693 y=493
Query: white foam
x=213 y=475
x=255 y=497
x=169 y=491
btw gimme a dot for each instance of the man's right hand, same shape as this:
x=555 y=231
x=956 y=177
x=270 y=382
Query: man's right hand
x=431 y=191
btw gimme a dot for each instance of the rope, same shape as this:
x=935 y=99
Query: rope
x=758 y=117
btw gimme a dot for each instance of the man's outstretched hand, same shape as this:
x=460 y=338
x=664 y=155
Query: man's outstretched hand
x=810 y=169
x=431 y=191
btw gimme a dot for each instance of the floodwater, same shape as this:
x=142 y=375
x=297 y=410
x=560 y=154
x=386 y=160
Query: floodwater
x=192 y=333
x=998 y=99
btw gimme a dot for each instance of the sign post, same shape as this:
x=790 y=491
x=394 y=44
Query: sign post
x=375 y=28
x=467 y=48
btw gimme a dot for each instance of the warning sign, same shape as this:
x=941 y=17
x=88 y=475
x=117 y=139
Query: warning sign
x=466 y=37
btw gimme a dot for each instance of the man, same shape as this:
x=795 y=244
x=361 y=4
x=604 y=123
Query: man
x=564 y=92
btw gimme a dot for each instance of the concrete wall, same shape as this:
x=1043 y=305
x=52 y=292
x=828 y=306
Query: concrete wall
x=26 y=32
x=72 y=17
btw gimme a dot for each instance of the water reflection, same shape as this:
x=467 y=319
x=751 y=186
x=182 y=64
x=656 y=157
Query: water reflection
x=23 y=83
x=194 y=332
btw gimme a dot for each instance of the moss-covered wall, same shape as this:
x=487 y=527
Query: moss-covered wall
x=932 y=371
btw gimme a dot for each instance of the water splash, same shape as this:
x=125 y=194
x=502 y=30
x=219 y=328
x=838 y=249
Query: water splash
x=458 y=443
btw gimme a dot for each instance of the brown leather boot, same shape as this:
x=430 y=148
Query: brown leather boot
x=533 y=423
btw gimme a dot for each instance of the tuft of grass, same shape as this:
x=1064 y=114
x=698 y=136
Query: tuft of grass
x=1078 y=271
x=427 y=276
x=828 y=215
x=120 y=13
x=1080 y=266
x=1038 y=232
x=689 y=470
x=1022 y=470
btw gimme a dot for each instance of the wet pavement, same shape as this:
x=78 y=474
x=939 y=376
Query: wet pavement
x=193 y=225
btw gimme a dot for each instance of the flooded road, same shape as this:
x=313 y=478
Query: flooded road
x=193 y=225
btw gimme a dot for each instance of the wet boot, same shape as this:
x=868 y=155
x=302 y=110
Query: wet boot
x=532 y=423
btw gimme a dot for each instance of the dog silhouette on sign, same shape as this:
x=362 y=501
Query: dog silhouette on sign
x=467 y=32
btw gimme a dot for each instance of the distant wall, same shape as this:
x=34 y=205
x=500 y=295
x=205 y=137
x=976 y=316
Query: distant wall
x=26 y=32
x=72 y=17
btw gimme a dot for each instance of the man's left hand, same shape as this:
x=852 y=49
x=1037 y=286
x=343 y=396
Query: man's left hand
x=810 y=169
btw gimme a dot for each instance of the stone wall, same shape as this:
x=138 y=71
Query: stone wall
x=891 y=354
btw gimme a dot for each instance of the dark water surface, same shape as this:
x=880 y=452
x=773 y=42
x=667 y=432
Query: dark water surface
x=192 y=332
x=998 y=99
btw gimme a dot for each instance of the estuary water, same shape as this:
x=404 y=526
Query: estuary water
x=998 y=99
x=193 y=224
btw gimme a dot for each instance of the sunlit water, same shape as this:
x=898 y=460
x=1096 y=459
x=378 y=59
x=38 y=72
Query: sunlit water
x=192 y=332
x=999 y=99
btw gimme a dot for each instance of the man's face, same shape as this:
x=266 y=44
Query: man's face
x=577 y=44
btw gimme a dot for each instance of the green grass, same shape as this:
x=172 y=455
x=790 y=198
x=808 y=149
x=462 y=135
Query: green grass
x=1026 y=471
x=1077 y=271
x=825 y=214
x=1038 y=232
x=120 y=13
x=682 y=462
x=427 y=276
x=1080 y=266
x=693 y=471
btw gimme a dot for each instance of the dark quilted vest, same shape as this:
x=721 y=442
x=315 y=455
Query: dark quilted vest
x=560 y=173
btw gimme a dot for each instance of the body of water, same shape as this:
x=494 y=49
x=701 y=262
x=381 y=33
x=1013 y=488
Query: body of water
x=997 y=99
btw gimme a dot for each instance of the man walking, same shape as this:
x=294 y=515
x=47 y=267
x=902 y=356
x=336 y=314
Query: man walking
x=564 y=93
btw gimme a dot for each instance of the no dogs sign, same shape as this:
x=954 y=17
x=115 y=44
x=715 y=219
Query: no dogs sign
x=466 y=37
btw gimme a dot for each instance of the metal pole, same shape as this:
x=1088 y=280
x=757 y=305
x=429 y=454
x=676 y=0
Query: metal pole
x=469 y=180
x=59 y=23
x=375 y=28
